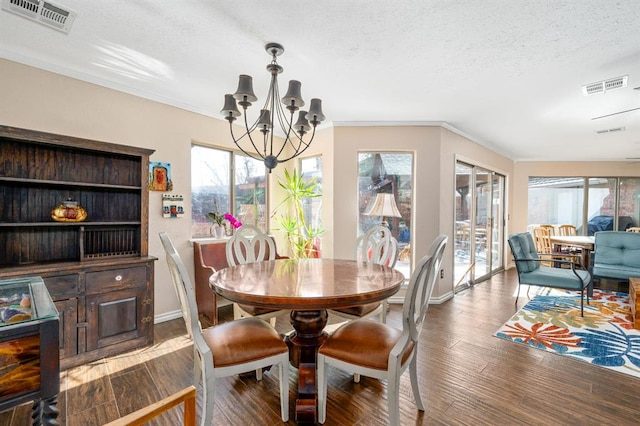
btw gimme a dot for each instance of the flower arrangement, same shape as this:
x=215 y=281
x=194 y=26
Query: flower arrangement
x=232 y=220
x=220 y=218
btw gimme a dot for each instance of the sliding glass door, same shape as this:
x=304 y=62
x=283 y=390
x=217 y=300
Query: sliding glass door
x=591 y=204
x=479 y=225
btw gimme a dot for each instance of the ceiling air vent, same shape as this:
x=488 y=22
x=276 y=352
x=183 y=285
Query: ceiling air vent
x=604 y=86
x=612 y=130
x=44 y=12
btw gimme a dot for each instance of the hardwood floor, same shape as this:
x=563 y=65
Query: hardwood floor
x=466 y=376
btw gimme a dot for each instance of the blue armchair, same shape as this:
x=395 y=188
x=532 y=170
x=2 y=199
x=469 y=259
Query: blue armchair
x=530 y=272
x=616 y=255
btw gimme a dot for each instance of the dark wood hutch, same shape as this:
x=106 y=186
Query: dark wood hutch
x=97 y=271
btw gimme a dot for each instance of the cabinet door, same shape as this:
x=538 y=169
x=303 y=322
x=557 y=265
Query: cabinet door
x=117 y=317
x=68 y=310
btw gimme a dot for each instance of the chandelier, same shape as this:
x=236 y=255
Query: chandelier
x=273 y=112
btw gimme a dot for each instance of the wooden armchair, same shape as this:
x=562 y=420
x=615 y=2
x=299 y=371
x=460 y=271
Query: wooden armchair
x=144 y=415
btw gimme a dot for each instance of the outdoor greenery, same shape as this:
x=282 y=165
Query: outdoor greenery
x=300 y=235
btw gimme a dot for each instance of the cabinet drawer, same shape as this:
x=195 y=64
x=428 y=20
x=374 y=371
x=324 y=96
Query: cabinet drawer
x=62 y=286
x=105 y=281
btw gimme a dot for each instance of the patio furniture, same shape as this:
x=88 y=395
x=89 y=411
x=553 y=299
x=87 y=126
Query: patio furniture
x=532 y=272
x=616 y=255
x=542 y=237
x=567 y=230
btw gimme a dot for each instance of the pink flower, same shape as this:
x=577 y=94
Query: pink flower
x=232 y=220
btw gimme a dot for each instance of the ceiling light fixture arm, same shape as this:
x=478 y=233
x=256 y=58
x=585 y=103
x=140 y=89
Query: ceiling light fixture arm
x=272 y=111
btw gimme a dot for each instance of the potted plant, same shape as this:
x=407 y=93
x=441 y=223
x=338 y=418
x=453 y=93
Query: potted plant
x=217 y=228
x=299 y=234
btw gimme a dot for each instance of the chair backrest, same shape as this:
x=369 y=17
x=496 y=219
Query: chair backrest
x=248 y=244
x=618 y=248
x=185 y=292
x=377 y=245
x=421 y=283
x=542 y=239
x=524 y=251
x=567 y=230
x=548 y=227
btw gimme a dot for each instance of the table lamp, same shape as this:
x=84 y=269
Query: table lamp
x=384 y=205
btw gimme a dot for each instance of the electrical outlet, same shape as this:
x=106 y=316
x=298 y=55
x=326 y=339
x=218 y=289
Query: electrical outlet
x=441 y=273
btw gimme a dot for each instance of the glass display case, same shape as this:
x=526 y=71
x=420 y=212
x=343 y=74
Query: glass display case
x=29 y=348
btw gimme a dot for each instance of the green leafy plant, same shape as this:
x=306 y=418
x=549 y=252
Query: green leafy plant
x=216 y=217
x=299 y=234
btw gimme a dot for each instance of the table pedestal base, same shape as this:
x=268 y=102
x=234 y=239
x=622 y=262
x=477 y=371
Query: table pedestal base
x=303 y=345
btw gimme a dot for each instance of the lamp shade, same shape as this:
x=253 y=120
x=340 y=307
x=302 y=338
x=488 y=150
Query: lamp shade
x=384 y=205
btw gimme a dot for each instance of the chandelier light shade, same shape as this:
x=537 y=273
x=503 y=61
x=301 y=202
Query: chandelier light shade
x=273 y=113
x=384 y=205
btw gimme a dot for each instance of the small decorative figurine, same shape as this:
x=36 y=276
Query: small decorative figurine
x=69 y=211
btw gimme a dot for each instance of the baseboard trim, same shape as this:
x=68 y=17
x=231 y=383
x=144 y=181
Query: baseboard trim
x=433 y=301
x=167 y=316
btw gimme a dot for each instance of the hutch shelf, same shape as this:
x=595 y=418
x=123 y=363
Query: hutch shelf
x=97 y=271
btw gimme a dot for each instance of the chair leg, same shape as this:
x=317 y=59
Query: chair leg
x=518 y=295
x=321 y=381
x=237 y=312
x=413 y=373
x=393 y=398
x=208 y=390
x=284 y=390
x=356 y=377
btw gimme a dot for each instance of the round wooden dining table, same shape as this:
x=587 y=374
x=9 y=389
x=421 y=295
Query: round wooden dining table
x=308 y=287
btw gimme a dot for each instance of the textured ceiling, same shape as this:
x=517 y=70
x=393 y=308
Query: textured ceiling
x=506 y=73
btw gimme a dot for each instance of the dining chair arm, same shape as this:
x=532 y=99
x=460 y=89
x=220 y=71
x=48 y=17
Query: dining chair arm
x=145 y=414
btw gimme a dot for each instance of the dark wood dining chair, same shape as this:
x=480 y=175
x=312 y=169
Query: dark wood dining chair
x=377 y=350
x=377 y=245
x=226 y=349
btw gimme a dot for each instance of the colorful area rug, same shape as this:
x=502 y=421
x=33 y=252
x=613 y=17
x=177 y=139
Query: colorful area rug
x=605 y=337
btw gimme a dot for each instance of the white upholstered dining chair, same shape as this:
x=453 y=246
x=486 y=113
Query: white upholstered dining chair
x=377 y=245
x=380 y=351
x=229 y=348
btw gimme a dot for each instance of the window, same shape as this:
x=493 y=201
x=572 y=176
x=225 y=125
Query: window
x=387 y=173
x=591 y=204
x=311 y=168
x=214 y=188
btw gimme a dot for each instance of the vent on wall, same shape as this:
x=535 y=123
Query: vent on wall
x=604 y=86
x=41 y=11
